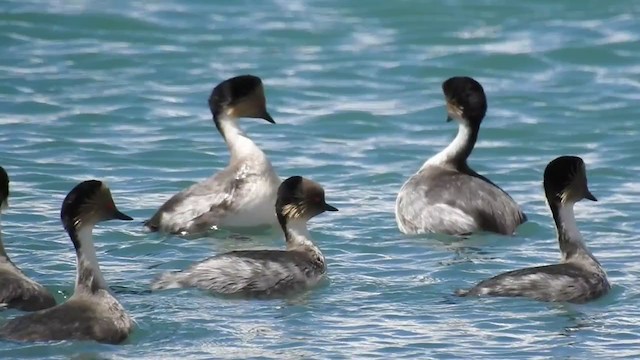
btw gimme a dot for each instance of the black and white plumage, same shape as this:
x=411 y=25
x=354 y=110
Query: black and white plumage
x=265 y=273
x=242 y=194
x=446 y=196
x=91 y=313
x=17 y=291
x=579 y=277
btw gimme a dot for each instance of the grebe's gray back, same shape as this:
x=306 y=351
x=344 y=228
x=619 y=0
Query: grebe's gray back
x=91 y=313
x=17 y=291
x=446 y=195
x=579 y=277
x=242 y=194
x=266 y=273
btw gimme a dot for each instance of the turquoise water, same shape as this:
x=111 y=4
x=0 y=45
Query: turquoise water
x=117 y=91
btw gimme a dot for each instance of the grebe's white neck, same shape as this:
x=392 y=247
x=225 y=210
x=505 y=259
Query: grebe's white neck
x=297 y=234
x=89 y=277
x=456 y=153
x=240 y=145
x=567 y=223
x=570 y=239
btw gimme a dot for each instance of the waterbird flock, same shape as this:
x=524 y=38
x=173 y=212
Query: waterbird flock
x=445 y=196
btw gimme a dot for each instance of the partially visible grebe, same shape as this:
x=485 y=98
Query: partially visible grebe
x=17 y=291
x=266 y=273
x=91 y=313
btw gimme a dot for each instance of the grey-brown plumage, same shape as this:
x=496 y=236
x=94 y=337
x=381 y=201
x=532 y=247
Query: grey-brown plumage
x=91 y=313
x=242 y=194
x=98 y=317
x=554 y=283
x=446 y=196
x=579 y=277
x=456 y=202
x=17 y=291
x=265 y=273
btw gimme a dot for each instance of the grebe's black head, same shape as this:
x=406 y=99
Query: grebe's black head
x=466 y=101
x=4 y=188
x=300 y=198
x=89 y=203
x=240 y=96
x=565 y=181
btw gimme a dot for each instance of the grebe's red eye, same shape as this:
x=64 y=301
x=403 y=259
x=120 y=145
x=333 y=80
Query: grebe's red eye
x=317 y=199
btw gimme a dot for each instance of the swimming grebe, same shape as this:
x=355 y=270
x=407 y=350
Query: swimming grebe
x=17 y=291
x=266 y=273
x=446 y=196
x=579 y=277
x=91 y=313
x=243 y=193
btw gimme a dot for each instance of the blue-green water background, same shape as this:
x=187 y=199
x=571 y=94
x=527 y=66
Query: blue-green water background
x=117 y=90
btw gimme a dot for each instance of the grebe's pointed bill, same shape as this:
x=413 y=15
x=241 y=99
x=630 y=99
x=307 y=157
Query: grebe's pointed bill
x=587 y=193
x=267 y=116
x=117 y=214
x=449 y=118
x=328 y=207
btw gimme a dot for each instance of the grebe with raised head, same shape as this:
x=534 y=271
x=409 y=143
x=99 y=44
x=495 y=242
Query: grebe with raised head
x=91 y=313
x=578 y=277
x=446 y=196
x=243 y=193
